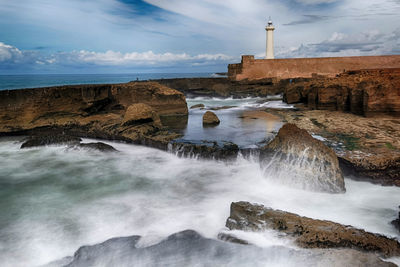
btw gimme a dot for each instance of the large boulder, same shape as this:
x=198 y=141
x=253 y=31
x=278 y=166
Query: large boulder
x=140 y=113
x=295 y=158
x=209 y=118
x=307 y=232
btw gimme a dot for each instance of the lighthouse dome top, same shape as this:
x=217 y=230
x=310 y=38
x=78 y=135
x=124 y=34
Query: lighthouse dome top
x=270 y=22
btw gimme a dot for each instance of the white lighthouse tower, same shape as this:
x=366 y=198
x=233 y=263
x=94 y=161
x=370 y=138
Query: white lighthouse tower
x=270 y=40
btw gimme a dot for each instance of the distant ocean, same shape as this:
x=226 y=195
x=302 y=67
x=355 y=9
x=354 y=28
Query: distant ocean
x=44 y=80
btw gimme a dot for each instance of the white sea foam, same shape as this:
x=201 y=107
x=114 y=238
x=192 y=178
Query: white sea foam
x=54 y=199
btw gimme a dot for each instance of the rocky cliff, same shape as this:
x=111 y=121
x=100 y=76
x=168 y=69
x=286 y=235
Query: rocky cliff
x=223 y=87
x=362 y=92
x=97 y=111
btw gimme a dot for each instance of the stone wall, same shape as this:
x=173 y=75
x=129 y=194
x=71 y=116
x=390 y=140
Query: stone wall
x=253 y=69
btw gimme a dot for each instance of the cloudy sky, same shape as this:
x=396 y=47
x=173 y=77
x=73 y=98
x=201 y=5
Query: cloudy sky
x=128 y=36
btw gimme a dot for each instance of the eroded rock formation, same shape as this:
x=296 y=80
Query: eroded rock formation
x=362 y=92
x=307 y=232
x=295 y=158
x=98 y=111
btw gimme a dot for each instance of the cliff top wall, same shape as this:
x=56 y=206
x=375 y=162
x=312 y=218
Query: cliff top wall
x=254 y=69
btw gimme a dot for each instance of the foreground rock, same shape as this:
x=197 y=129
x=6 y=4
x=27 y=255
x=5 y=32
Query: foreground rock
x=46 y=140
x=188 y=248
x=295 y=158
x=362 y=92
x=368 y=148
x=128 y=112
x=209 y=119
x=309 y=233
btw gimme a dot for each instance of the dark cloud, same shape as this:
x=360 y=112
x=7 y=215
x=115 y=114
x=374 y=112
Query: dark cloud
x=367 y=43
x=307 y=19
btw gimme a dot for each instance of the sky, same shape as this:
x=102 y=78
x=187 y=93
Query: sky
x=161 y=36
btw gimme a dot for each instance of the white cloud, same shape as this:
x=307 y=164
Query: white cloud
x=9 y=53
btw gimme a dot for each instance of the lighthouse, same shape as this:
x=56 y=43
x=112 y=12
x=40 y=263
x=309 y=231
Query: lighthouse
x=270 y=40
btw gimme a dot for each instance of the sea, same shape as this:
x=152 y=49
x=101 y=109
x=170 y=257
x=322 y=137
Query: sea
x=44 y=80
x=55 y=199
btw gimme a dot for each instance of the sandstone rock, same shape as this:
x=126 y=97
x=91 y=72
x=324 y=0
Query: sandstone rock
x=140 y=113
x=295 y=158
x=45 y=140
x=197 y=106
x=307 y=232
x=362 y=92
x=209 y=118
x=98 y=146
x=95 y=111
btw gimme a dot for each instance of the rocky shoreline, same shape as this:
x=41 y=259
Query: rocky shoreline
x=368 y=148
x=134 y=113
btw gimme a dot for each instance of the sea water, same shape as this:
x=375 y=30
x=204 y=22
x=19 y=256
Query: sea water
x=44 y=80
x=55 y=199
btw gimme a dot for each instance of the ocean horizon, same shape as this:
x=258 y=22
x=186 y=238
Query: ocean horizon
x=23 y=81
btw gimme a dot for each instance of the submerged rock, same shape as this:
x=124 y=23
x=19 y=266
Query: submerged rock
x=98 y=146
x=45 y=140
x=209 y=118
x=197 y=106
x=295 y=158
x=307 y=232
x=222 y=107
x=189 y=248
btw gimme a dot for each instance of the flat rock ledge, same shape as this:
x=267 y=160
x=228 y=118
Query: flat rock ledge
x=307 y=232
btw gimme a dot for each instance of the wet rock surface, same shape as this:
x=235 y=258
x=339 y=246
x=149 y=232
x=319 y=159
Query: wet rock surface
x=188 y=248
x=368 y=148
x=210 y=119
x=197 y=106
x=45 y=140
x=99 y=146
x=294 y=157
x=307 y=232
x=205 y=150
